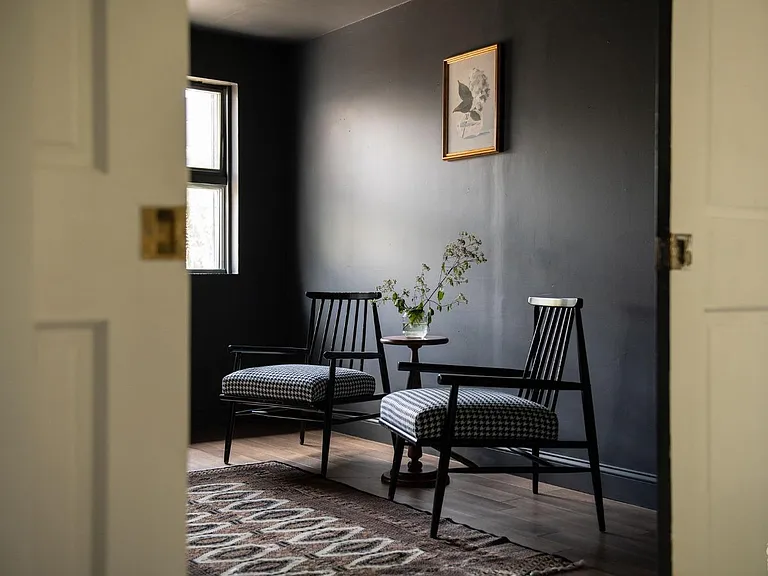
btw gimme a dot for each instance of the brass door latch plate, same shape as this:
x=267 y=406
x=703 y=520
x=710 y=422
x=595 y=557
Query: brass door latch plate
x=163 y=233
x=674 y=252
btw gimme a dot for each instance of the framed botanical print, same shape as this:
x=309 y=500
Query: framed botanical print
x=471 y=107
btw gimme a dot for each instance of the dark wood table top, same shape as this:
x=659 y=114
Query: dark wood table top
x=428 y=340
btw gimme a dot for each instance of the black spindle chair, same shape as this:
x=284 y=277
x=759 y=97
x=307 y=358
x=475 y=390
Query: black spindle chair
x=329 y=373
x=474 y=414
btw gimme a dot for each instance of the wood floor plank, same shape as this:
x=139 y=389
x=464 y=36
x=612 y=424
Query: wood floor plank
x=556 y=521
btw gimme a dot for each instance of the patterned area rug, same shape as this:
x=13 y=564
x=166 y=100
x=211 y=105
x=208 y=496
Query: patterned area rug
x=270 y=518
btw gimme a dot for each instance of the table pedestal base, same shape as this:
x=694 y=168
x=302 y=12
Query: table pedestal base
x=427 y=478
x=414 y=473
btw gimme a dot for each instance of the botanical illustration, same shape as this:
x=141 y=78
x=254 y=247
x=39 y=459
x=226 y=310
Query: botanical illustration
x=471 y=103
x=474 y=94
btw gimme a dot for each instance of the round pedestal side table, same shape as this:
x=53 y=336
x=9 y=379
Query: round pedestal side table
x=414 y=473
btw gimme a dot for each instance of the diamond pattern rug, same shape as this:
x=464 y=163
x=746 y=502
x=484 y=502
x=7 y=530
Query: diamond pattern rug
x=271 y=518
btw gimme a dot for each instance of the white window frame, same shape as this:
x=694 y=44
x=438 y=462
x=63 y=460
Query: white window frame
x=226 y=176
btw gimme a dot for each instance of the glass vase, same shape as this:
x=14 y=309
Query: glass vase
x=415 y=328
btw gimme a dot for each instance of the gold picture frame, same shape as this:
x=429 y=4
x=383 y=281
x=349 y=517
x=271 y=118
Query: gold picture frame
x=471 y=103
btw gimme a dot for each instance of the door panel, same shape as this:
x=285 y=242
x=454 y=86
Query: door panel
x=738 y=460
x=72 y=355
x=98 y=409
x=64 y=81
x=739 y=92
x=719 y=307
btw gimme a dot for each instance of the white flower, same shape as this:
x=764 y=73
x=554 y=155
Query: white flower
x=481 y=89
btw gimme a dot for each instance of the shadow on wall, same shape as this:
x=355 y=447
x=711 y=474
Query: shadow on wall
x=567 y=210
x=263 y=303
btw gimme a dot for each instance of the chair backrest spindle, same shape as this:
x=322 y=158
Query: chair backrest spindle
x=336 y=324
x=553 y=320
x=354 y=330
x=333 y=326
x=314 y=328
x=319 y=359
x=346 y=327
x=365 y=328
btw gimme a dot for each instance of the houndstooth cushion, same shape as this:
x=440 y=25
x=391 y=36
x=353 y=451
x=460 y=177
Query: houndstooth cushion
x=296 y=382
x=481 y=413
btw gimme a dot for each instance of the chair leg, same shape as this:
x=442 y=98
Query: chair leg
x=594 y=458
x=302 y=430
x=230 y=433
x=397 y=461
x=326 y=440
x=535 y=452
x=597 y=485
x=442 y=480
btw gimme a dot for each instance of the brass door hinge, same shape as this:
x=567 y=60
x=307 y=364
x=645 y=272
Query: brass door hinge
x=674 y=252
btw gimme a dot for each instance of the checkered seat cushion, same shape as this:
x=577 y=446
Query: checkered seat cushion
x=306 y=383
x=481 y=413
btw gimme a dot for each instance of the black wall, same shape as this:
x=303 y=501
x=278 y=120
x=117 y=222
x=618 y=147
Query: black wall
x=567 y=209
x=256 y=306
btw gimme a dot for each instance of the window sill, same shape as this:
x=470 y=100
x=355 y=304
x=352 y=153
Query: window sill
x=209 y=272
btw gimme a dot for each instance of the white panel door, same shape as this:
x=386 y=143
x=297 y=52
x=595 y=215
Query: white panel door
x=719 y=308
x=94 y=344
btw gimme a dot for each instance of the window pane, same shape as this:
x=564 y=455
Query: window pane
x=203 y=129
x=205 y=227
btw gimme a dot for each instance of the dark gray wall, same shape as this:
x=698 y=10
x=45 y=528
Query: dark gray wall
x=567 y=209
x=260 y=305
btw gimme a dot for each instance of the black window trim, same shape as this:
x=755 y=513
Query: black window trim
x=220 y=176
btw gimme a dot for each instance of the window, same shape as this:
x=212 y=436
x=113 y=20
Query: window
x=210 y=190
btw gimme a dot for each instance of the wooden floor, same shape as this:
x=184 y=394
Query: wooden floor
x=557 y=520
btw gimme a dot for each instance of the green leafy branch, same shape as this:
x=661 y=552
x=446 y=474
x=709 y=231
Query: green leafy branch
x=467 y=101
x=421 y=302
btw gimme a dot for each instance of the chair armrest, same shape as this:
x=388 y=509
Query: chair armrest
x=344 y=355
x=243 y=349
x=506 y=382
x=454 y=369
